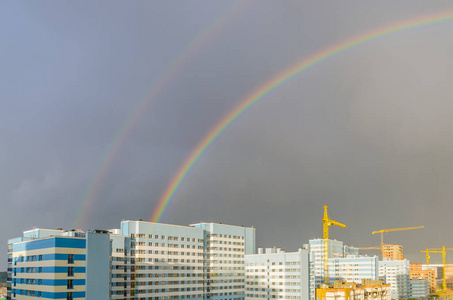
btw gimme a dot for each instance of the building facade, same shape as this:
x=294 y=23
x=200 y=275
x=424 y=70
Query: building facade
x=419 y=288
x=354 y=268
x=396 y=273
x=54 y=266
x=140 y=260
x=276 y=274
x=224 y=249
x=392 y=252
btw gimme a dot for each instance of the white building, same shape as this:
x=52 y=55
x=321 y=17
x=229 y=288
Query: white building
x=154 y=261
x=275 y=274
x=225 y=247
x=397 y=274
x=354 y=268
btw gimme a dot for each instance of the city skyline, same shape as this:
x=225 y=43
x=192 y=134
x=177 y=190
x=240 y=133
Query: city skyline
x=104 y=103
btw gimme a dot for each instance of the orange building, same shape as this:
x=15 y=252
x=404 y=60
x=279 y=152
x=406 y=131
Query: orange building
x=430 y=274
x=368 y=290
x=394 y=252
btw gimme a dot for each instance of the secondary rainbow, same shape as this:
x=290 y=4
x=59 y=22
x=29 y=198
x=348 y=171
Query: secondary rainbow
x=120 y=138
x=275 y=82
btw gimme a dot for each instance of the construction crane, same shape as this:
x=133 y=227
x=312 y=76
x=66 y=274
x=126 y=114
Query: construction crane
x=391 y=230
x=326 y=223
x=442 y=250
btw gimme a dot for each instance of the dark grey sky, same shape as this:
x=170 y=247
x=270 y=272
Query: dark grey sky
x=368 y=132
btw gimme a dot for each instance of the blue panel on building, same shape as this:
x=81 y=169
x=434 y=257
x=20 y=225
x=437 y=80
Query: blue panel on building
x=60 y=242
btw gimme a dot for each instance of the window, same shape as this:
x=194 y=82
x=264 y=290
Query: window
x=70 y=271
x=69 y=296
x=70 y=258
x=70 y=285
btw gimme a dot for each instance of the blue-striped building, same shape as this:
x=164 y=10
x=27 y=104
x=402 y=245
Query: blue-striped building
x=52 y=267
x=51 y=264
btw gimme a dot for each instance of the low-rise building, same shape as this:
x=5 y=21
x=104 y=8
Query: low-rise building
x=368 y=290
x=419 y=288
x=276 y=274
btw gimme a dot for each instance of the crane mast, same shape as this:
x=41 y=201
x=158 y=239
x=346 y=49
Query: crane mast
x=326 y=223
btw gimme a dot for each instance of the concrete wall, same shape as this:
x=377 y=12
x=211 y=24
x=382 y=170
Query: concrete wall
x=98 y=266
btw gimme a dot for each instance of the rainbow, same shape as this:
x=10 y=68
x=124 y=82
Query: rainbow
x=274 y=83
x=120 y=138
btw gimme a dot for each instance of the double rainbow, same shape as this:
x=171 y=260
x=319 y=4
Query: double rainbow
x=274 y=83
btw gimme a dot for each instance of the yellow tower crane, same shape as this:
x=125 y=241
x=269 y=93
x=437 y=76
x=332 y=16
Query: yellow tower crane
x=442 y=250
x=391 y=230
x=326 y=223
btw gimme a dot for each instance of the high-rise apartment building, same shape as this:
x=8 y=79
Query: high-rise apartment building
x=161 y=261
x=225 y=247
x=276 y=274
x=45 y=265
x=141 y=260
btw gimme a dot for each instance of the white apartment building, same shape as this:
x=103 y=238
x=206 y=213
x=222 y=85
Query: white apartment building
x=397 y=274
x=157 y=261
x=276 y=274
x=225 y=247
x=354 y=268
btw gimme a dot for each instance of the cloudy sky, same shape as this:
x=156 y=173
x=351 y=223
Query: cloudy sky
x=102 y=101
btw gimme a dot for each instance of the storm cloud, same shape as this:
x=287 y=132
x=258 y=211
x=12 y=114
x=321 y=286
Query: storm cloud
x=367 y=132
